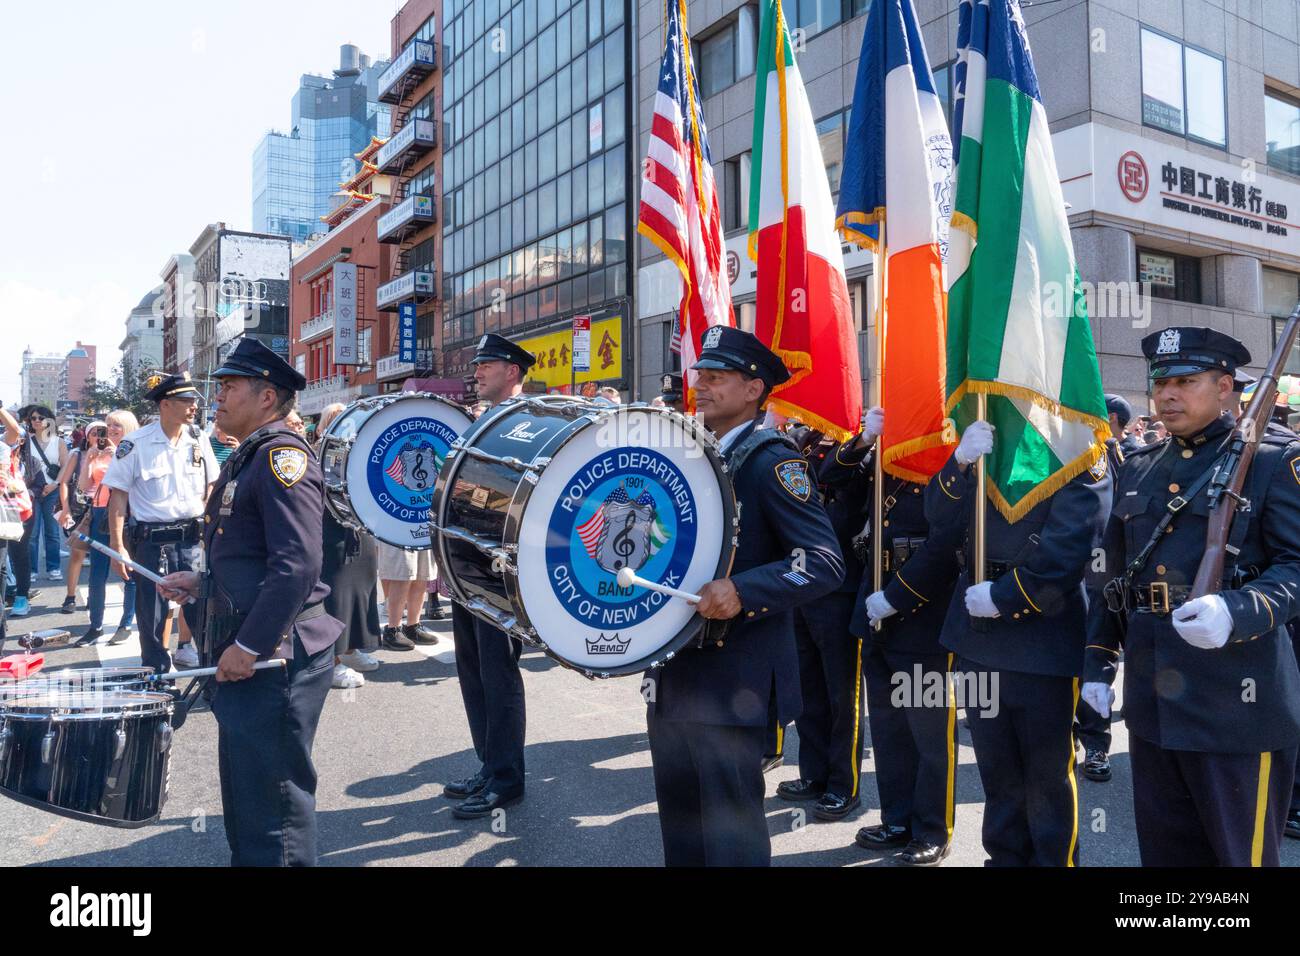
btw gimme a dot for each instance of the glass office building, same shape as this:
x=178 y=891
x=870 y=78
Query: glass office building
x=537 y=160
x=297 y=174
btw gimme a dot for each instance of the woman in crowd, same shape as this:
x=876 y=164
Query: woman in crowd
x=89 y=446
x=44 y=457
x=350 y=570
x=115 y=427
x=223 y=446
x=14 y=491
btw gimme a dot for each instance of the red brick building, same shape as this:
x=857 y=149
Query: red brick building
x=351 y=239
x=77 y=368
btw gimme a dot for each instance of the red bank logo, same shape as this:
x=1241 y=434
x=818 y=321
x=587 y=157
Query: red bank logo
x=1133 y=179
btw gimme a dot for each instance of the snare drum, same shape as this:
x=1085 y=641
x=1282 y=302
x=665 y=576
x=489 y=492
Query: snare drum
x=380 y=458
x=101 y=758
x=80 y=680
x=543 y=501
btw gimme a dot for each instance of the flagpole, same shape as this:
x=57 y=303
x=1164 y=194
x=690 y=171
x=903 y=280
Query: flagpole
x=877 y=389
x=977 y=574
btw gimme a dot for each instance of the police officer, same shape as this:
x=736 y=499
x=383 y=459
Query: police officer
x=262 y=529
x=708 y=708
x=830 y=658
x=487 y=659
x=1018 y=638
x=162 y=472
x=674 y=392
x=1211 y=686
x=913 y=733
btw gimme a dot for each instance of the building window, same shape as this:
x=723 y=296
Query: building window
x=830 y=135
x=735 y=192
x=1282 y=132
x=727 y=55
x=1183 y=90
x=1165 y=275
x=943 y=87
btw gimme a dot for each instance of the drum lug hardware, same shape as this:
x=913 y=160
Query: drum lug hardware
x=164 y=738
x=119 y=744
x=6 y=735
x=47 y=745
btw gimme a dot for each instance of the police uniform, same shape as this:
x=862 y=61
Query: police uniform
x=491 y=686
x=709 y=706
x=1033 y=650
x=1213 y=733
x=166 y=485
x=910 y=706
x=262 y=528
x=830 y=658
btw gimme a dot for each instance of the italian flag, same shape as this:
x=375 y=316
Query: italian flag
x=803 y=309
x=1017 y=325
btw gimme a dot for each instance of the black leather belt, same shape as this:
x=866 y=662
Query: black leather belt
x=992 y=569
x=1157 y=597
x=185 y=531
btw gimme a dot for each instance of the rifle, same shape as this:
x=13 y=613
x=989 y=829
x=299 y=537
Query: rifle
x=1225 y=488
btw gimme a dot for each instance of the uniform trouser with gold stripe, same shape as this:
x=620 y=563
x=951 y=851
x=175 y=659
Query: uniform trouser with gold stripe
x=913 y=741
x=830 y=680
x=1201 y=809
x=1024 y=747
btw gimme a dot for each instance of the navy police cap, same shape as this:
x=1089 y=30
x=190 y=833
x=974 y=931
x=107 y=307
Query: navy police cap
x=672 y=386
x=170 y=386
x=1186 y=350
x=498 y=348
x=1118 y=406
x=722 y=347
x=251 y=359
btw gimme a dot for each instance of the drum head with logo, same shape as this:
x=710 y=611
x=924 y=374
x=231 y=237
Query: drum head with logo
x=393 y=464
x=636 y=488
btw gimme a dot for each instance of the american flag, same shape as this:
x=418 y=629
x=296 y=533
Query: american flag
x=680 y=213
x=396 y=470
x=590 y=530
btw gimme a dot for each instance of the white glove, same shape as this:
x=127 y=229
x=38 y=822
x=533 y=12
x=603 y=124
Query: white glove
x=978 y=440
x=873 y=425
x=1099 y=696
x=979 y=600
x=1204 y=622
x=878 y=607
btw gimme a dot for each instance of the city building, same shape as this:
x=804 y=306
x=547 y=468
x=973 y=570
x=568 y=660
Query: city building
x=240 y=287
x=40 y=379
x=295 y=174
x=314 y=329
x=176 y=303
x=1176 y=129
x=538 y=183
x=142 y=347
x=78 y=369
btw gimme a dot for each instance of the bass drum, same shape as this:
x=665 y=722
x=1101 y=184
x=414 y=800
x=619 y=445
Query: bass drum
x=543 y=501
x=98 y=757
x=380 y=458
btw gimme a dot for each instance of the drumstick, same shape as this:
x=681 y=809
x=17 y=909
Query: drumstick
x=627 y=578
x=209 y=671
x=138 y=568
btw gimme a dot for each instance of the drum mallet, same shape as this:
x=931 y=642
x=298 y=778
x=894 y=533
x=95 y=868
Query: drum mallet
x=211 y=671
x=138 y=568
x=628 y=578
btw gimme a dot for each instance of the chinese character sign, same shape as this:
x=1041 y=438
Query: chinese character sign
x=406 y=332
x=345 y=313
x=555 y=352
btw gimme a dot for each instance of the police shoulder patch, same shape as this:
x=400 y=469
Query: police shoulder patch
x=288 y=464
x=124 y=448
x=1098 y=471
x=793 y=475
x=1295 y=469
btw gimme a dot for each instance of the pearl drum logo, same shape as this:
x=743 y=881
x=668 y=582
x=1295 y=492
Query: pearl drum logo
x=1133 y=178
x=403 y=466
x=628 y=508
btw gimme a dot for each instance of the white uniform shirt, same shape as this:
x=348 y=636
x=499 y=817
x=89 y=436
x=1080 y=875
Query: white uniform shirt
x=163 y=482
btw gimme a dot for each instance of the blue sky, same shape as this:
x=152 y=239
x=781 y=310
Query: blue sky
x=127 y=127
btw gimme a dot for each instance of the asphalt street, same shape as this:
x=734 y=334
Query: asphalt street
x=384 y=752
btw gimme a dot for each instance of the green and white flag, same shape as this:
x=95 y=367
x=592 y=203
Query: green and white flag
x=1017 y=322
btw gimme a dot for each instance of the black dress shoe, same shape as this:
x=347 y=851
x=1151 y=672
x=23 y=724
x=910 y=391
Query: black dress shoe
x=484 y=803
x=69 y=606
x=771 y=763
x=1096 y=766
x=90 y=637
x=920 y=853
x=1292 y=828
x=800 y=789
x=882 y=836
x=418 y=635
x=465 y=787
x=835 y=806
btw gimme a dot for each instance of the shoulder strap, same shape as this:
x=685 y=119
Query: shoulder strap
x=1176 y=505
x=758 y=438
